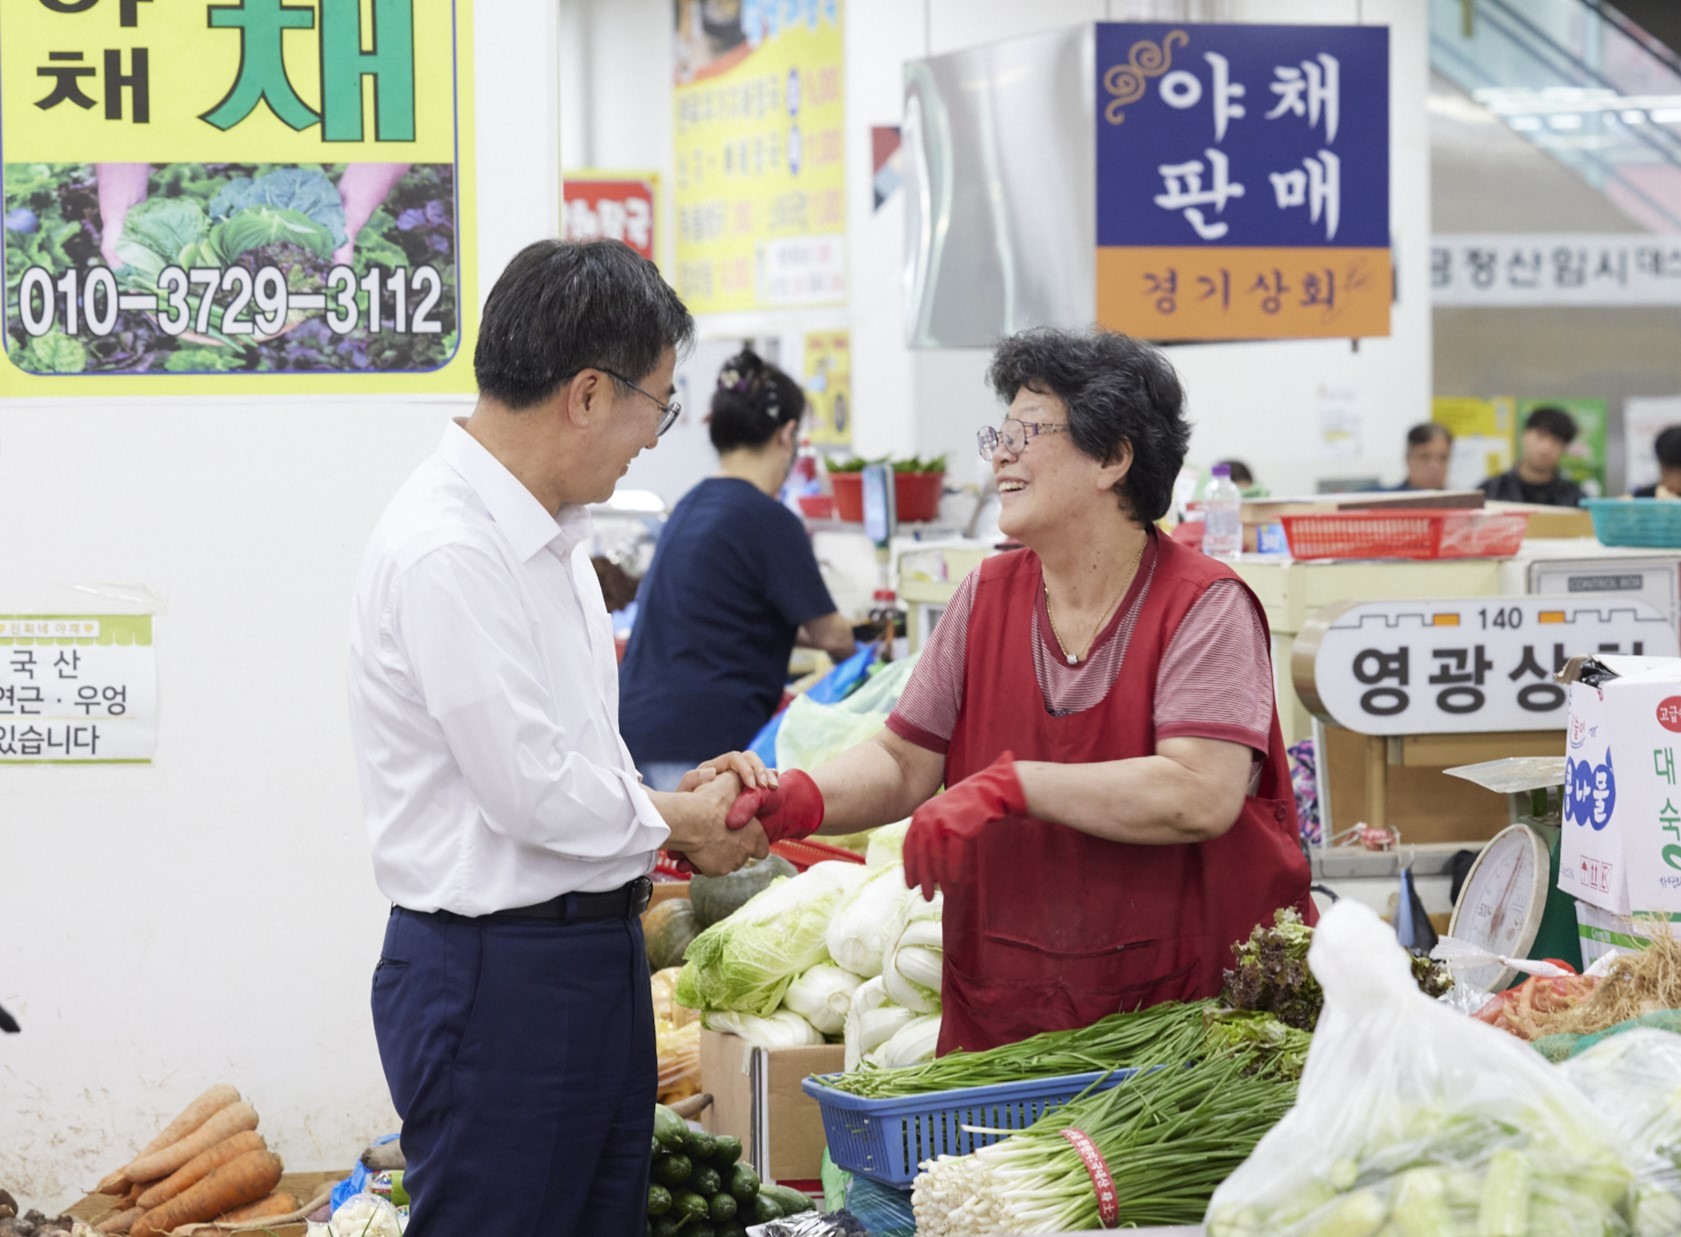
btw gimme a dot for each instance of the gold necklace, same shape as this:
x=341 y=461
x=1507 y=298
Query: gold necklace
x=1074 y=658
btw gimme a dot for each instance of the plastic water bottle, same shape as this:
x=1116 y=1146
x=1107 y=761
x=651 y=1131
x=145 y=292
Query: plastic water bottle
x=1222 y=514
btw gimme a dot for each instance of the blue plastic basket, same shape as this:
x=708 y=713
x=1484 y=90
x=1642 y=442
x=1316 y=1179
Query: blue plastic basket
x=1651 y=522
x=885 y=1140
x=885 y=1212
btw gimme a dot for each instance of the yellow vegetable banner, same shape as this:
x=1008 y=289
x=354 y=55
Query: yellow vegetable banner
x=760 y=154
x=236 y=196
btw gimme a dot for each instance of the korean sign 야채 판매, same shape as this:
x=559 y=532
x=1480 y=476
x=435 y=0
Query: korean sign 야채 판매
x=1243 y=180
x=1464 y=667
x=760 y=154
x=198 y=192
x=77 y=689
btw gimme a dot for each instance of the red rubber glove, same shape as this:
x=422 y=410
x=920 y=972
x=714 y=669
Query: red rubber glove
x=792 y=809
x=942 y=829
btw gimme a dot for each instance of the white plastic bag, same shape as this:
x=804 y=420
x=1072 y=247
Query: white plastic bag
x=1413 y=1119
x=1634 y=1080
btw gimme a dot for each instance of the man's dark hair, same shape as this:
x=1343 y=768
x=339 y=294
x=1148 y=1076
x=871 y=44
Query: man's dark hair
x=564 y=306
x=1554 y=422
x=1425 y=433
x=753 y=399
x=1118 y=390
x=1239 y=471
x=1667 y=447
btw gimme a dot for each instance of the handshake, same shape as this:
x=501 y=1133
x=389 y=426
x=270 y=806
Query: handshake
x=731 y=809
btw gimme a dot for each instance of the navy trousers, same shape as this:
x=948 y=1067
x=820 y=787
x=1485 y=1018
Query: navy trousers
x=520 y=1057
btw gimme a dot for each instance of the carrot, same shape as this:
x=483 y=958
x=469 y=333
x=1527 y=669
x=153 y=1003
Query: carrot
x=200 y=1166
x=132 y=1197
x=192 y=1116
x=225 y=1124
x=262 y=1209
x=240 y=1181
x=113 y=1183
x=119 y=1221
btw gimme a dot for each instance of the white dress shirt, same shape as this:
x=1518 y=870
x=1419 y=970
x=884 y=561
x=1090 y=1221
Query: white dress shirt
x=484 y=698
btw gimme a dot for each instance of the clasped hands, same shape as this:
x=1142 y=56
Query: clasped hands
x=758 y=806
x=779 y=807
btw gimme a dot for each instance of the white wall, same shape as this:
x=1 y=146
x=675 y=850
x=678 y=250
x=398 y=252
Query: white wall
x=213 y=917
x=1258 y=401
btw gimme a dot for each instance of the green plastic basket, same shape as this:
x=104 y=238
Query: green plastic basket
x=1651 y=522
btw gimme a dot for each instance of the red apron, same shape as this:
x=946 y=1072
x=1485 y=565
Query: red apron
x=1052 y=928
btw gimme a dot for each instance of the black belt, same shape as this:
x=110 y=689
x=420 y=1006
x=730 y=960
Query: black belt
x=621 y=903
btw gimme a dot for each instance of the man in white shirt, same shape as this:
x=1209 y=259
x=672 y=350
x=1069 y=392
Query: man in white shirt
x=509 y=827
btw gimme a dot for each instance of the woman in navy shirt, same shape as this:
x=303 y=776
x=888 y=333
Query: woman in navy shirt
x=733 y=587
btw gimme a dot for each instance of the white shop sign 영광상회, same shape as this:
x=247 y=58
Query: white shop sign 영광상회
x=1462 y=666
x=77 y=689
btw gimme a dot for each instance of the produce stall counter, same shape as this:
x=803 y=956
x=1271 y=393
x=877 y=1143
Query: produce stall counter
x=304 y=1186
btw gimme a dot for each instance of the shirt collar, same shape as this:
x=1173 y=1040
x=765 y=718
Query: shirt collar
x=523 y=520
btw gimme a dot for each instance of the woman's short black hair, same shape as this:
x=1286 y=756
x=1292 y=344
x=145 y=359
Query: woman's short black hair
x=1553 y=421
x=565 y=306
x=753 y=399
x=1667 y=447
x=1426 y=432
x=1118 y=391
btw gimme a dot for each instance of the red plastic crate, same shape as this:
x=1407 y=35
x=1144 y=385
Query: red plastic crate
x=1420 y=533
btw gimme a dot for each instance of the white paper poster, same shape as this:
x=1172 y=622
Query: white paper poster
x=77 y=689
x=1644 y=418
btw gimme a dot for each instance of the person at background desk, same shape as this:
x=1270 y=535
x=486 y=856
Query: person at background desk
x=1667 y=447
x=1429 y=449
x=1100 y=707
x=508 y=827
x=733 y=587
x=1546 y=435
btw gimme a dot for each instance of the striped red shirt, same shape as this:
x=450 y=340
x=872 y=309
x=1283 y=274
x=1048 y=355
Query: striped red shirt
x=1214 y=681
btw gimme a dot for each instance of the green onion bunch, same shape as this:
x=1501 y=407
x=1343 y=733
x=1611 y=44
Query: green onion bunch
x=1159 y=1035
x=1170 y=1136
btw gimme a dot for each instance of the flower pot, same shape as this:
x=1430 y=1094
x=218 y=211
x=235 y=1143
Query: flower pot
x=916 y=493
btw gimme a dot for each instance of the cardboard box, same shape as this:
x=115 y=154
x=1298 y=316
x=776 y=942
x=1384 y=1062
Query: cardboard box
x=756 y=1096
x=1622 y=809
x=304 y=1186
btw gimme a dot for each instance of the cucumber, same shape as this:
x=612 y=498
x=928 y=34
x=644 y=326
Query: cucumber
x=724 y=1207
x=703 y=1229
x=790 y=1200
x=764 y=1210
x=655 y=1149
x=690 y=1207
x=700 y=1146
x=705 y=1181
x=666 y=1226
x=670 y=1130
x=672 y=1170
x=659 y=1200
x=743 y=1182
x=728 y=1151
x=732 y=1229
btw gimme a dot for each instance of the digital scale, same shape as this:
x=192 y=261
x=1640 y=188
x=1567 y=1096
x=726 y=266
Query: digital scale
x=1510 y=904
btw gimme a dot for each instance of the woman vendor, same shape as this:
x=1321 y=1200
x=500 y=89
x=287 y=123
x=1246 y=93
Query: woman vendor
x=733 y=586
x=1099 y=706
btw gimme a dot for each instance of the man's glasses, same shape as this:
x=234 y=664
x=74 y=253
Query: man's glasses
x=668 y=412
x=1012 y=436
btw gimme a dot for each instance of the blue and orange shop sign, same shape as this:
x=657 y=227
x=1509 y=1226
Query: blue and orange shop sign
x=1243 y=181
